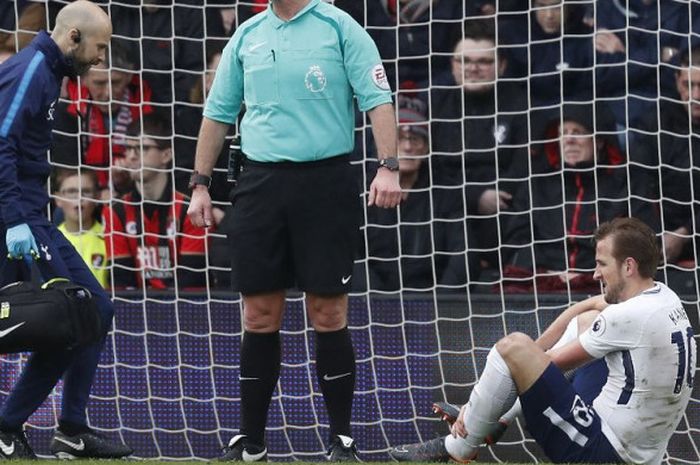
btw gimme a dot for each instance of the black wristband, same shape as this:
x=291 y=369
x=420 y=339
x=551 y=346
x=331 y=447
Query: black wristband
x=197 y=179
x=390 y=163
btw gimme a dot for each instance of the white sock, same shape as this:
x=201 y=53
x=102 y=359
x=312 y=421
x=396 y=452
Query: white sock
x=458 y=448
x=513 y=413
x=493 y=395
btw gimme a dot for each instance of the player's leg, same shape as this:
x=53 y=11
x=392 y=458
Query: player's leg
x=563 y=424
x=515 y=362
x=493 y=396
x=587 y=380
x=261 y=271
x=324 y=227
x=74 y=438
x=43 y=369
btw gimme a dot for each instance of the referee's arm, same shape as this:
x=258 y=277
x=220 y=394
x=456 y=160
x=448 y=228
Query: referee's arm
x=385 y=190
x=209 y=144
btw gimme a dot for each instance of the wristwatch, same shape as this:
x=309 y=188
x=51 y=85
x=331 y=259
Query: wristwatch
x=390 y=163
x=198 y=179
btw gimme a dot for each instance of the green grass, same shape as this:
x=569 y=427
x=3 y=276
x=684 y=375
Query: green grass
x=175 y=462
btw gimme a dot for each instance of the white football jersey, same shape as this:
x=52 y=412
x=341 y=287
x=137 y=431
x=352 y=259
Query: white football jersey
x=648 y=345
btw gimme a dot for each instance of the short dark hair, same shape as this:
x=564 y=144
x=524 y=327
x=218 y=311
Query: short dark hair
x=157 y=126
x=480 y=29
x=690 y=57
x=632 y=238
x=61 y=174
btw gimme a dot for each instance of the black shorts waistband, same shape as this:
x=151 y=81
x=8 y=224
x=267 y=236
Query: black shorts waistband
x=336 y=160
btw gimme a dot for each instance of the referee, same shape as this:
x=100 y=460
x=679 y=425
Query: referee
x=296 y=209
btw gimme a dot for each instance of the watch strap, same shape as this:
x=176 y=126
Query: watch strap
x=198 y=179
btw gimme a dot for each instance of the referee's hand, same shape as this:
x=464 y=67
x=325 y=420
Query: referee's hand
x=385 y=191
x=200 y=207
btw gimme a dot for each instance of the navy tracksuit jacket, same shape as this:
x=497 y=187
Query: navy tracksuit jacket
x=30 y=83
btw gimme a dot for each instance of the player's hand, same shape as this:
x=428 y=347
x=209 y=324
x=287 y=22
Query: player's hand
x=385 y=191
x=200 y=207
x=458 y=429
x=20 y=243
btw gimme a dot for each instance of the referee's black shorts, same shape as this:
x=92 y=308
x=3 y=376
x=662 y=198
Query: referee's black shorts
x=295 y=225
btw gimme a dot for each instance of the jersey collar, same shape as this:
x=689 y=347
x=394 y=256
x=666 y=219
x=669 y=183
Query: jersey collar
x=277 y=22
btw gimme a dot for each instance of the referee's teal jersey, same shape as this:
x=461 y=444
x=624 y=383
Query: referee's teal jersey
x=297 y=80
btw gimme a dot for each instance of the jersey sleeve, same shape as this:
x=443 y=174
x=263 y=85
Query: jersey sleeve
x=226 y=94
x=616 y=328
x=364 y=66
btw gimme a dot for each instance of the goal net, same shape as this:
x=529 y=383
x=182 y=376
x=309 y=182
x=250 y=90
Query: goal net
x=493 y=236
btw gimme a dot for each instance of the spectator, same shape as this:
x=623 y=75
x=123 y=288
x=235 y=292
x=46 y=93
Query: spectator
x=579 y=180
x=148 y=230
x=75 y=195
x=165 y=41
x=5 y=52
x=416 y=247
x=423 y=37
x=669 y=152
x=91 y=126
x=555 y=52
x=479 y=134
x=638 y=36
x=32 y=19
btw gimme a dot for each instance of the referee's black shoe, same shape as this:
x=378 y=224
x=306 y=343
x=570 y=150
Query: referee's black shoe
x=342 y=449
x=87 y=445
x=14 y=446
x=239 y=451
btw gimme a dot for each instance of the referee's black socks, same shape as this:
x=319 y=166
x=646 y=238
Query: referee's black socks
x=260 y=370
x=335 y=368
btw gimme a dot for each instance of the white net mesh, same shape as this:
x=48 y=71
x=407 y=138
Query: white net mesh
x=441 y=280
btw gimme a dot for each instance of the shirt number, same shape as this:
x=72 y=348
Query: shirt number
x=685 y=359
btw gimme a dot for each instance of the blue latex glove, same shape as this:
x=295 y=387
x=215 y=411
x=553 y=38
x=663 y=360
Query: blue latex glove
x=20 y=243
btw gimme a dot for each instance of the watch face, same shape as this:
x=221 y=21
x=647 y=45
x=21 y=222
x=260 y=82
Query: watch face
x=391 y=163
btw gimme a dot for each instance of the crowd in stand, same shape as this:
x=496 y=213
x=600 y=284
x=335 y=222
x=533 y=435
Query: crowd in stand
x=522 y=126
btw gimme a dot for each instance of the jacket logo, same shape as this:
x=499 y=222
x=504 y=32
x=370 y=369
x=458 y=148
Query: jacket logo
x=47 y=254
x=50 y=112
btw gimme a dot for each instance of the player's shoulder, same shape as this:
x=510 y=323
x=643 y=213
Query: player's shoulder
x=657 y=297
